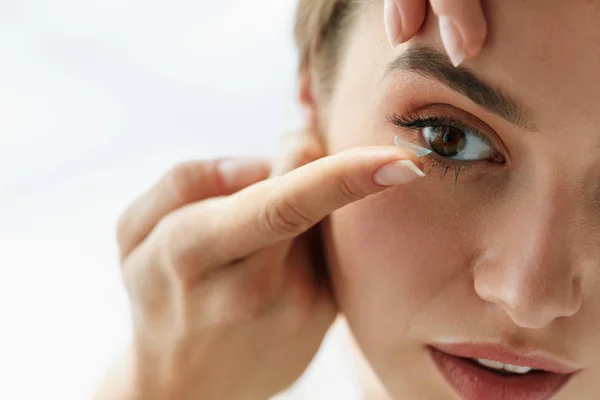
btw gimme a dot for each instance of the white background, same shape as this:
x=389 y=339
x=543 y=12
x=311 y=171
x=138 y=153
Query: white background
x=97 y=99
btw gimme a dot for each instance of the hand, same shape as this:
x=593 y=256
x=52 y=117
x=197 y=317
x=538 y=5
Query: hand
x=225 y=300
x=462 y=24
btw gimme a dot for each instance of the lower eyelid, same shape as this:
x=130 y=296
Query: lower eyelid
x=467 y=170
x=433 y=161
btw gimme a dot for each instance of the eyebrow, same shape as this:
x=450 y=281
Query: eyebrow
x=434 y=64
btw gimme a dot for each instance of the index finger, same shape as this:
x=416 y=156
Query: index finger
x=284 y=207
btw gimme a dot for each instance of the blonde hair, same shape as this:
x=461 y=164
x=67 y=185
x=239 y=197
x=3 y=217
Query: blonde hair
x=318 y=32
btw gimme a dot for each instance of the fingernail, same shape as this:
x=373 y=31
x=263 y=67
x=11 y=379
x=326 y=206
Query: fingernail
x=393 y=22
x=452 y=39
x=240 y=170
x=397 y=173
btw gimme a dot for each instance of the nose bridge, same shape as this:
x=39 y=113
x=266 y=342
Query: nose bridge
x=542 y=243
x=532 y=271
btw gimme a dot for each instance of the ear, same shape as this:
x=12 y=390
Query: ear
x=308 y=100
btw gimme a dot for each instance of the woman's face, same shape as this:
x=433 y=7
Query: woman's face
x=500 y=243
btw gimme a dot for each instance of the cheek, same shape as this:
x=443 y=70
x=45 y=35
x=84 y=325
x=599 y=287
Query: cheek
x=393 y=250
x=391 y=257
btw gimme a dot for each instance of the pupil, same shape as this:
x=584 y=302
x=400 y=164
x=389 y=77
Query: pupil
x=448 y=141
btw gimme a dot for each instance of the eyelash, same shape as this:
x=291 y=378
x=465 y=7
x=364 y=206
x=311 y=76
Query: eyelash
x=412 y=121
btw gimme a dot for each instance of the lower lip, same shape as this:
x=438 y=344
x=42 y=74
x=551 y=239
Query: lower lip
x=475 y=383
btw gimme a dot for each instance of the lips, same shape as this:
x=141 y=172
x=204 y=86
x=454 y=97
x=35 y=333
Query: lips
x=475 y=382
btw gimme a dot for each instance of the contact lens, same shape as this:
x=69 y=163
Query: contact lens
x=414 y=148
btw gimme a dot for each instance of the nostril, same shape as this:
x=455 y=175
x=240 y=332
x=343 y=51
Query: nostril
x=526 y=308
x=533 y=291
x=576 y=297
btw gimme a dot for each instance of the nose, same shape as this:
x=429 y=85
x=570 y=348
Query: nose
x=533 y=296
x=529 y=268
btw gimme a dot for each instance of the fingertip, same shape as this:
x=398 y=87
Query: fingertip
x=463 y=27
x=412 y=16
x=474 y=32
x=452 y=40
x=475 y=38
x=393 y=22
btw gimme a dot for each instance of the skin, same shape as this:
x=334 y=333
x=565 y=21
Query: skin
x=466 y=28
x=510 y=252
x=221 y=266
x=254 y=308
x=514 y=245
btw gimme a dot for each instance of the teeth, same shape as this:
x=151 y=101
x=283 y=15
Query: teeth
x=490 y=363
x=515 y=369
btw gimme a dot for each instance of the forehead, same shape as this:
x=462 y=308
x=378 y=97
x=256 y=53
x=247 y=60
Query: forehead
x=544 y=53
x=547 y=52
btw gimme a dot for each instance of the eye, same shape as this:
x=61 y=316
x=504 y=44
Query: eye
x=457 y=139
x=457 y=143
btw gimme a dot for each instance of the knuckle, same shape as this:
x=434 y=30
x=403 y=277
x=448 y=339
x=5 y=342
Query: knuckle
x=185 y=238
x=252 y=306
x=249 y=301
x=173 y=242
x=149 y=286
x=350 y=191
x=284 y=218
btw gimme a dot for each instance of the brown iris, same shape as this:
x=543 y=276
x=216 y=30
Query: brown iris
x=447 y=141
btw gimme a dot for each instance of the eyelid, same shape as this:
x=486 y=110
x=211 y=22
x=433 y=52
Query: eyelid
x=446 y=114
x=414 y=118
x=413 y=121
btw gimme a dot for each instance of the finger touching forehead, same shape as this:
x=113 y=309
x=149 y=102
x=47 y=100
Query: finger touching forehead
x=545 y=53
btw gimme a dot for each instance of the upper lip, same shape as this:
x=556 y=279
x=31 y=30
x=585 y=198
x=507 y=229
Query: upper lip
x=509 y=355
